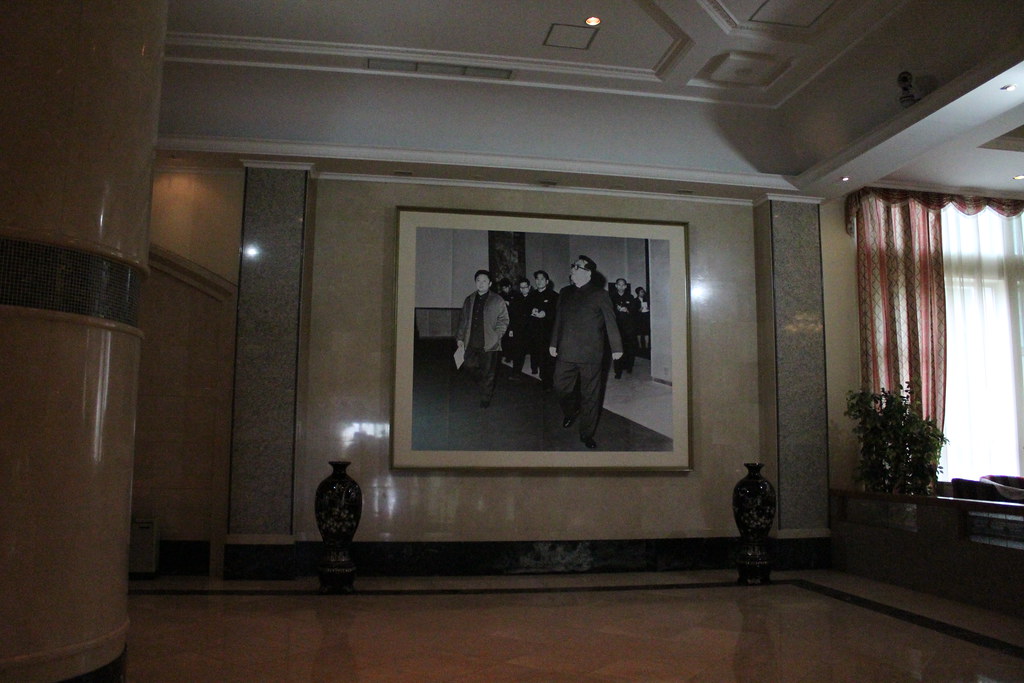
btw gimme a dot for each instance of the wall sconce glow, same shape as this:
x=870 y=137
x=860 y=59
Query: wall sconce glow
x=699 y=292
x=361 y=430
x=593 y=21
x=1009 y=87
x=251 y=251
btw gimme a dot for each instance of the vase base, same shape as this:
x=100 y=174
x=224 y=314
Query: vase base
x=754 y=575
x=337 y=579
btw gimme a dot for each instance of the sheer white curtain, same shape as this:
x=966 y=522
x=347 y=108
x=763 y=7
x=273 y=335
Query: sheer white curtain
x=984 y=280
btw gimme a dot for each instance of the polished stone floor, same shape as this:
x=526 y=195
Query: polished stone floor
x=665 y=626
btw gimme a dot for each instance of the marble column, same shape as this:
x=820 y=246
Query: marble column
x=260 y=543
x=79 y=100
x=791 y=339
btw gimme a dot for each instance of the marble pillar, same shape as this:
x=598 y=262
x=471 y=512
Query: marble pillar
x=259 y=542
x=791 y=339
x=79 y=100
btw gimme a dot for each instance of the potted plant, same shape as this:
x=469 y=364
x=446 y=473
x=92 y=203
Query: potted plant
x=899 y=449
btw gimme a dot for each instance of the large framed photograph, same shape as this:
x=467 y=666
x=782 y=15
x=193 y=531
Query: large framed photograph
x=540 y=342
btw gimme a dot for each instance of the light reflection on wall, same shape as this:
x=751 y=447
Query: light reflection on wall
x=700 y=292
x=378 y=496
x=803 y=323
x=358 y=431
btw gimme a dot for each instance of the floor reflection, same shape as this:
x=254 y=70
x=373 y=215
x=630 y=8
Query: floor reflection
x=668 y=626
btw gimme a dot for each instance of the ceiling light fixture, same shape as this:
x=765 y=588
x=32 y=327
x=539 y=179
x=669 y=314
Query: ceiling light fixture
x=593 y=21
x=1009 y=87
x=1018 y=177
x=846 y=178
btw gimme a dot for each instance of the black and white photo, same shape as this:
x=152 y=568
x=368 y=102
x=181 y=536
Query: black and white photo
x=528 y=341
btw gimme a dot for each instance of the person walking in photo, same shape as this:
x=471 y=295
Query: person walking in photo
x=517 y=335
x=643 y=322
x=482 y=324
x=584 y=321
x=542 y=302
x=626 y=309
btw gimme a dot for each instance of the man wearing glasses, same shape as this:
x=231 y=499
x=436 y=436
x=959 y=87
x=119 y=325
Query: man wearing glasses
x=584 y=320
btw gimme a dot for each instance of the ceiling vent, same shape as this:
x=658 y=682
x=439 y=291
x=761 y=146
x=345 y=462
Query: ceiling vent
x=437 y=69
x=574 y=37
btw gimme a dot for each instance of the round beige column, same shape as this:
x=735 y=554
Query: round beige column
x=78 y=106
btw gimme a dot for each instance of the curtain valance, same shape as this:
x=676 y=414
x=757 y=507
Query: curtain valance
x=936 y=201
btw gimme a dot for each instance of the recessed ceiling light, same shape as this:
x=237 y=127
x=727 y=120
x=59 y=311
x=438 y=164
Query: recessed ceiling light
x=593 y=21
x=846 y=178
x=1018 y=177
x=1009 y=87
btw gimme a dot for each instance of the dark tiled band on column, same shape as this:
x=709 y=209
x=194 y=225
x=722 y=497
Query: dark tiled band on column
x=60 y=279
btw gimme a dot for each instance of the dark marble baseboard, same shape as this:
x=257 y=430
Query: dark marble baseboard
x=260 y=562
x=479 y=558
x=184 y=558
x=179 y=558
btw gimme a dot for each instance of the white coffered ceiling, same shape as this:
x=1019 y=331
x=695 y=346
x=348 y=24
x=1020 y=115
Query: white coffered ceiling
x=728 y=98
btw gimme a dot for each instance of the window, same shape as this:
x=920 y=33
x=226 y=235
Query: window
x=983 y=258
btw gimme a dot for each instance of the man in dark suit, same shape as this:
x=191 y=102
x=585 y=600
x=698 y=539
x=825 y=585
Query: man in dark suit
x=626 y=310
x=481 y=327
x=584 y=320
x=542 y=302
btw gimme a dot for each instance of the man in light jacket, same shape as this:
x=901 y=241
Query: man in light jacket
x=481 y=327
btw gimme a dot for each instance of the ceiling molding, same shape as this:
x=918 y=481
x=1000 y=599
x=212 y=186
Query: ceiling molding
x=279 y=165
x=222 y=49
x=491 y=185
x=250 y=147
x=681 y=42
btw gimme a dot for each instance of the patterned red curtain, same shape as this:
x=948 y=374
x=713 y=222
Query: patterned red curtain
x=901 y=295
x=967 y=205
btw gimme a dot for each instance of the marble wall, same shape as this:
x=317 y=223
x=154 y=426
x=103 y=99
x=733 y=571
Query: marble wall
x=266 y=351
x=792 y=339
x=347 y=409
x=345 y=377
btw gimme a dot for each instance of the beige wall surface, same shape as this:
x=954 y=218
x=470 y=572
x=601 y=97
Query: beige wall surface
x=183 y=433
x=350 y=358
x=842 y=338
x=198 y=215
x=349 y=382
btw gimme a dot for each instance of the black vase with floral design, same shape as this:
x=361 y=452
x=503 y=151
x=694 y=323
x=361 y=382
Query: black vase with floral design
x=753 y=507
x=339 y=506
